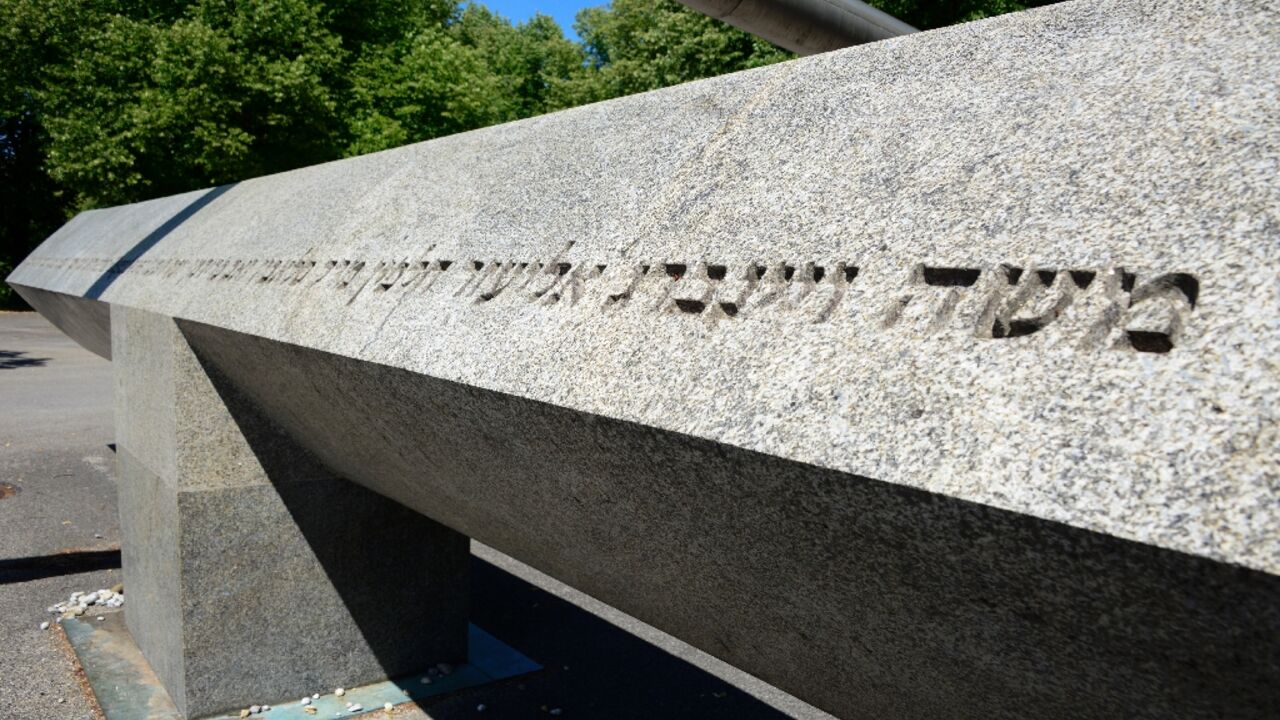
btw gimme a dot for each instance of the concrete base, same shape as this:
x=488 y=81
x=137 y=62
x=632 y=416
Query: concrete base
x=254 y=572
x=126 y=688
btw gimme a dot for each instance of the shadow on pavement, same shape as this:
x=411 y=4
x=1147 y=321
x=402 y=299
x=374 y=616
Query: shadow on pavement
x=72 y=563
x=13 y=359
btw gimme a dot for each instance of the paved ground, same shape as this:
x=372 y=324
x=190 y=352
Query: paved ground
x=37 y=677
x=57 y=506
x=59 y=526
x=55 y=436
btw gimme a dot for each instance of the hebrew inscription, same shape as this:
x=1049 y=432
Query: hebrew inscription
x=1002 y=302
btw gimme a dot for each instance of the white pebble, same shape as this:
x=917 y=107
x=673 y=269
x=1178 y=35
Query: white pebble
x=339 y=692
x=266 y=708
x=315 y=696
x=44 y=625
x=356 y=708
x=387 y=706
x=100 y=618
x=556 y=711
x=480 y=707
x=254 y=709
x=305 y=701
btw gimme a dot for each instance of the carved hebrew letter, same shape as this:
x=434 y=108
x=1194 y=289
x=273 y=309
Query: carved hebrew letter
x=387 y=274
x=301 y=270
x=931 y=297
x=771 y=284
x=621 y=285
x=691 y=292
x=825 y=289
x=499 y=277
x=733 y=290
x=1150 y=317
x=347 y=272
x=425 y=275
x=652 y=289
x=1158 y=312
x=481 y=273
x=572 y=286
x=543 y=280
x=1030 y=301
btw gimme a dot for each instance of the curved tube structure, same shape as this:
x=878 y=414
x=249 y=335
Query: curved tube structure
x=806 y=27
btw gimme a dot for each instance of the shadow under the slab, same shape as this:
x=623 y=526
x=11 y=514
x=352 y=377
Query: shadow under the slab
x=593 y=668
x=125 y=687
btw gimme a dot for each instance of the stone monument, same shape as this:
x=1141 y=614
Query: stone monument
x=930 y=378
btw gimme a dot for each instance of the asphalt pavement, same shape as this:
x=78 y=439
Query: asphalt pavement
x=59 y=533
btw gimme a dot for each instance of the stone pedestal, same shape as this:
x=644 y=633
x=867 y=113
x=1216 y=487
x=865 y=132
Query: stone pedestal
x=253 y=574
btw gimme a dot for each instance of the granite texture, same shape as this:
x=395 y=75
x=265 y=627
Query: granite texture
x=865 y=598
x=88 y=321
x=1134 y=143
x=152 y=563
x=1023 y=267
x=254 y=574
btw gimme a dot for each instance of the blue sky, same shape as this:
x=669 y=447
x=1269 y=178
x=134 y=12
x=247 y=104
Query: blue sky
x=562 y=10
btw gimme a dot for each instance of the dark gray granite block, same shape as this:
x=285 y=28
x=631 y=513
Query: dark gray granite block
x=253 y=574
x=149 y=527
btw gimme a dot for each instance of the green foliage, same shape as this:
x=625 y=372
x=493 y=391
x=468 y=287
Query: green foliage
x=534 y=60
x=422 y=86
x=111 y=101
x=227 y=90
x=475 y=71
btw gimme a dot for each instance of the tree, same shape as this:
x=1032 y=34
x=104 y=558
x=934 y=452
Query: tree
x=226 y=90
x=421 y=87
x=533 y=59
x=35 y=35
x=477 y=70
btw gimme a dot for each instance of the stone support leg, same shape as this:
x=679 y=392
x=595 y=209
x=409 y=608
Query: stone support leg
x=252 y=574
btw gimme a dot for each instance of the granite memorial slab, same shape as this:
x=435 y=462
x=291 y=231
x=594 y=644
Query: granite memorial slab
x=929 y=378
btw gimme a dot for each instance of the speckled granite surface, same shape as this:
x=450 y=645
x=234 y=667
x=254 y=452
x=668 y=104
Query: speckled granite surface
x=1106 y=137
x=1027 y=263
